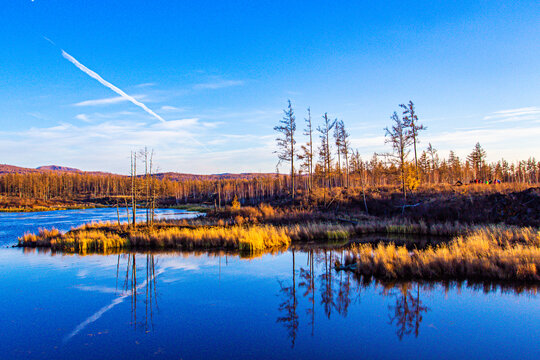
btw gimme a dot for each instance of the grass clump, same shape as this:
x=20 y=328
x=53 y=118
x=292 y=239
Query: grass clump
x=102 y=237
x=492 y=253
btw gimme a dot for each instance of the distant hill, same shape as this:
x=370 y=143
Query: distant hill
x=173 y=176
x=11 y=169
x=58 y=168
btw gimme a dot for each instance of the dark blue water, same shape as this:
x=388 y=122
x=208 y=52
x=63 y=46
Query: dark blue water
x=224 y=306
x=13 y=225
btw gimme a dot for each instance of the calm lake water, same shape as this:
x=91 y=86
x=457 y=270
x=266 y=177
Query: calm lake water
x=13 y=225
x=224 y=306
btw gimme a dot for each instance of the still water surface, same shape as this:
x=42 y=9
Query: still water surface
x=13 y=225
x=224 y=306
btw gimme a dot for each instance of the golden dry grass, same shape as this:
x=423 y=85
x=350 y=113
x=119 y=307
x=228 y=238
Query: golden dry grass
x=487 y=252
x=493 y=253
x=103 y=237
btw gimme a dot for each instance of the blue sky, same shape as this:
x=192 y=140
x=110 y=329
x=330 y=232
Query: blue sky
x=220 y=72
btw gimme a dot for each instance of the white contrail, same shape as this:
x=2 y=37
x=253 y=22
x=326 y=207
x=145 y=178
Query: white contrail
x=120 y=92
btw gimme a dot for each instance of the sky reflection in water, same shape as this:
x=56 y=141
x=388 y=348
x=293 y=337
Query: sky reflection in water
x=217 y=305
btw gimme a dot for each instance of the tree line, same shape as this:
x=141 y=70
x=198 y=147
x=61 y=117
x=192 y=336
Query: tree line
x=315 y=167
x=333 y=162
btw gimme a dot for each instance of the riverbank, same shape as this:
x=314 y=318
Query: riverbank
x=490 y=252
x=15 y=204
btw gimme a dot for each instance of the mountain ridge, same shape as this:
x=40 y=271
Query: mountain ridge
x=174 y=176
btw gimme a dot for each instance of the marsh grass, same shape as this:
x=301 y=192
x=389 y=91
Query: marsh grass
x=471 y=252
x=106 y=236
x=494 y=253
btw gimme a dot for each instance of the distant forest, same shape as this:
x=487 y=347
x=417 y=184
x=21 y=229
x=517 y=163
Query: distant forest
x=328 y=164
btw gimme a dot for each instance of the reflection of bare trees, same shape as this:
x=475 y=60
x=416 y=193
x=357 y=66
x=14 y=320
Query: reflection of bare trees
x=289 y=305
x=344 y=294
x=327 y=293
x=133 y=287
x=336 y=294
x=308 y=282
x=407 y=312
x=338 y=290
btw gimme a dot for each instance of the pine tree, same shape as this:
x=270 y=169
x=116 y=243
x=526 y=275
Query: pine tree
x=410 y=121
x=306 y=155
x=401 y=139
x=345 y=147
x=325 y=151
x=477 y=159
x=286 y=141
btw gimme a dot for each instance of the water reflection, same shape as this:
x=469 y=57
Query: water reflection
x=407 y=311
x=133 y=286
x=287 y=307
x=310 y=294
x=337 y=290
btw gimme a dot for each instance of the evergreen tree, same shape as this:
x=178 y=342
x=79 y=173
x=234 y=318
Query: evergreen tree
x=325 y=151
x=306 y=155
x=285 y=142
x=401 y=139
x=477 y=159
x=410 y=121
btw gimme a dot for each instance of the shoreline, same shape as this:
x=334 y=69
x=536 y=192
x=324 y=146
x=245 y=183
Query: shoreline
x=481 y=252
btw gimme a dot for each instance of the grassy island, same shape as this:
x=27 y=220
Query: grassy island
x=495 y=252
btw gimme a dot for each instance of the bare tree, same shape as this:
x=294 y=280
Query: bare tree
x=434 y=160
x=325 y=152
x=134 y=188
x=286 y=141
x=401 y=139
x=345 y=147
x=410 y=121
x=337 y=140
x=306 y=155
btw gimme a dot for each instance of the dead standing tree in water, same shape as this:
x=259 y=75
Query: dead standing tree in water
x=401 y=139
x=134 y=188
x=286 y=142
x=145 y=190
x=150 y=193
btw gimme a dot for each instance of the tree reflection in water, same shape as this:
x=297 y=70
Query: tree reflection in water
x=130 y=289
x=407 y=312
x=289 y=305
x=338 y=290
x=133 y=287
x=308 y=283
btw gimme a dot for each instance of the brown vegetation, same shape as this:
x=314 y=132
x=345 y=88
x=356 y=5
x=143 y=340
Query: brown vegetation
x=492 y=253
x=104 y=236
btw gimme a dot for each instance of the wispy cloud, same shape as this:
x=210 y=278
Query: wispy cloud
x=82 y=117
x=37 y=115
x=145 y=85
x=105 y=101
x=218 y=84
x=168 y=108
x=114 y=88
x=514 y=115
